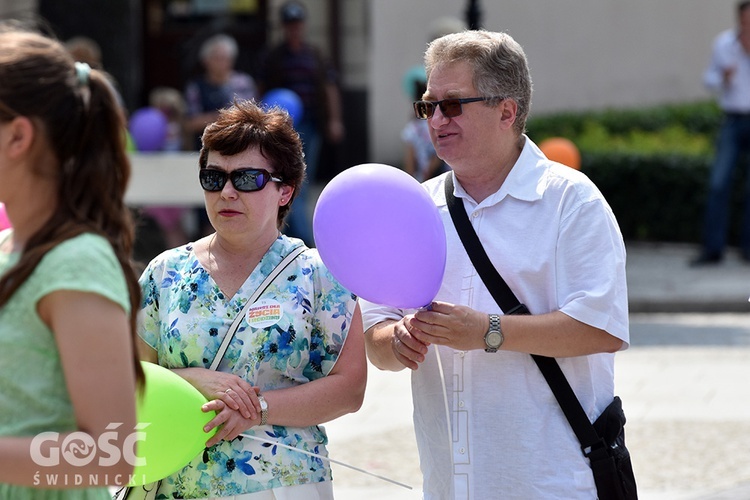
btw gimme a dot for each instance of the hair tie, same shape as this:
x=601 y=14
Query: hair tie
x=83 y=71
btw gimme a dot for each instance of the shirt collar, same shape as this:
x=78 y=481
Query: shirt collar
x=523 y=181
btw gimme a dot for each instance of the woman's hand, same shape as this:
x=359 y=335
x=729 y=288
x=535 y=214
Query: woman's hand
x=230 y=422
x=236 y=393
x=409 y=350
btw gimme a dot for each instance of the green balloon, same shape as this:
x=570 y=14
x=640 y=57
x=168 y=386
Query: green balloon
x=171 y=422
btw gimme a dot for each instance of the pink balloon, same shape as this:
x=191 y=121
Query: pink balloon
x=380 y=234
x=4 y=221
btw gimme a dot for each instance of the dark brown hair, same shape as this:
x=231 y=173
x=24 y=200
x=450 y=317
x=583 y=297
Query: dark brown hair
x=84 y=125
x=245 y=125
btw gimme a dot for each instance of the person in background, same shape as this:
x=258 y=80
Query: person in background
x=420 y=160
x=297 y=359
x=554 y=239
x=216 y=88
x=68 y=291
x=297 y=65
x=85 y=49
x=171 y=219
x=728 y=75
x=170 y=102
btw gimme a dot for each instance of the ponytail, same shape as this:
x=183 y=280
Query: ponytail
x=85 y=126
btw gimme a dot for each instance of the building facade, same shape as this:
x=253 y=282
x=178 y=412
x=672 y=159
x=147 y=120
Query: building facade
x=583 y=54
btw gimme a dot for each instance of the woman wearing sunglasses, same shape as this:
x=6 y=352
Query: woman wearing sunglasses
x=297 y=358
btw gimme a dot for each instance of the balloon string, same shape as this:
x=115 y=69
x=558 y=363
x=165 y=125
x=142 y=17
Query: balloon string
x=444 y=386
x=445 y=402
x=322 y=457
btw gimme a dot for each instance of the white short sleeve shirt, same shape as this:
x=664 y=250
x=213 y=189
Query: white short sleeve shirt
x=554 y=239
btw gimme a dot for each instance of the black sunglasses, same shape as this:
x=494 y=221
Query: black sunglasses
x=244 y=179
x=449 y=107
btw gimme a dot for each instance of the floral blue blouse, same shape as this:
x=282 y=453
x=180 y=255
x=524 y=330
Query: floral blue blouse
x=292 y=335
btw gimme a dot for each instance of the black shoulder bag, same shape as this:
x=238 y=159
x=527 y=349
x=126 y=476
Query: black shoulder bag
x=602 y=442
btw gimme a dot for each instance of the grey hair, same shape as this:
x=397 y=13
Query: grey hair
x=218 y=40
x=498 y=62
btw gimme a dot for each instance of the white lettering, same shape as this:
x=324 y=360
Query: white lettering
x=130 y=445
x=38 y=457
x=108 y=447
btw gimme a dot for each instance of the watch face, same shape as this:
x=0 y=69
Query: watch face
x=494 y=339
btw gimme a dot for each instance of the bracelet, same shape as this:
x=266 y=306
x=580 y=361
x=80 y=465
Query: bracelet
x=263 y=410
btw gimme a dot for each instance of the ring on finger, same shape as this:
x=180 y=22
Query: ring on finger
x=227 y=391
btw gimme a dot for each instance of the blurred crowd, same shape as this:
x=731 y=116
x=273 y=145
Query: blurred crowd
x=293 y=74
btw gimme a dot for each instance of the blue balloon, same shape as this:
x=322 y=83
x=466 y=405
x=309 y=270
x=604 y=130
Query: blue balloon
x=287 y=100
x=148 y=128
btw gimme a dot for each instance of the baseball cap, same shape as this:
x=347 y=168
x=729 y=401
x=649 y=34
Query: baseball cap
x=292 y=12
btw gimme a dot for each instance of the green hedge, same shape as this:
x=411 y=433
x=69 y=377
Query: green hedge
x=701 y=117
x=652 y=165
x=654 y=197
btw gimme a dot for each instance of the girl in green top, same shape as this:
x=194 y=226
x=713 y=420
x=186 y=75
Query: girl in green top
x=68 y=294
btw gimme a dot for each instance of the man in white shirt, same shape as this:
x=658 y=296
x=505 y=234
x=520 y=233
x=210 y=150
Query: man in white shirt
x=728 y=75
x=553 y=238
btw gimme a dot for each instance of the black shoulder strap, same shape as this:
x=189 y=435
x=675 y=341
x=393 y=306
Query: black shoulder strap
x=510 y=304
x=497 y=287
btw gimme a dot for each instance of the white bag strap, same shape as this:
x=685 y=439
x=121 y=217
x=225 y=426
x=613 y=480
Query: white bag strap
x=254 y=297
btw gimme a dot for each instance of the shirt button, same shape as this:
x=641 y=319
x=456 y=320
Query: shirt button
x=461 y=354
x=462 y=451
x=475 y=215
x=460 y=404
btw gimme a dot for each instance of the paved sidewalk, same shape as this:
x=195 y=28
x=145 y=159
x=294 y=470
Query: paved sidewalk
x=685 y=392
x=683 y=384
x=685 y=396
x=660 y=280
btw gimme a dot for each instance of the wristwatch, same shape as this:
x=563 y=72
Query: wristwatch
x=494 y=337
x=263 y=410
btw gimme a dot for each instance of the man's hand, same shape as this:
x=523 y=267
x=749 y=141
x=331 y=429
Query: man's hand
x=455 y=326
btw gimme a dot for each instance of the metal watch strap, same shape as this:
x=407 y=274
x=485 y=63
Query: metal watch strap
x=263 y=410
x=493 y=332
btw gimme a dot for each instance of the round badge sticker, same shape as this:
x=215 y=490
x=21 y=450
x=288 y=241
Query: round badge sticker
x=263 y=313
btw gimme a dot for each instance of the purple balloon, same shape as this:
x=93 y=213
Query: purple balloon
x=380 y=234
x=148 y=128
